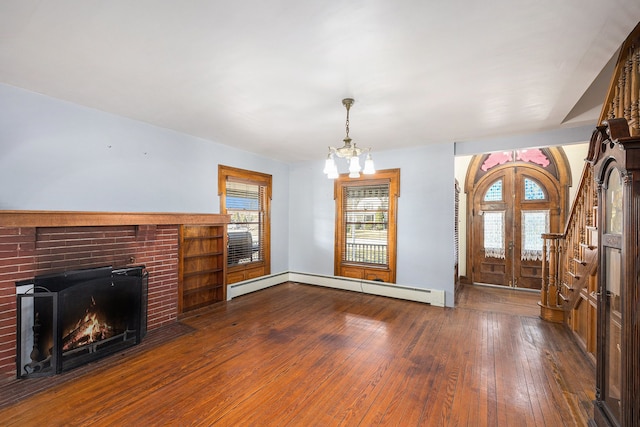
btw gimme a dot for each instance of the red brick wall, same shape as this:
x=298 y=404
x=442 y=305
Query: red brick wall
x=27 y=252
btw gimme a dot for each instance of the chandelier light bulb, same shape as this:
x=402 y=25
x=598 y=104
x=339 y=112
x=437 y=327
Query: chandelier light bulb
x=369 y=168
x=354 y=164
x=333 y=172
x=329 y=164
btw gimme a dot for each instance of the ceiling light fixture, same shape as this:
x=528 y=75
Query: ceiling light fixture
x=348 y=151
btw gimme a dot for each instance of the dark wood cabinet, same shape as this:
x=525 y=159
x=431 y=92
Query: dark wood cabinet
x=616 y=158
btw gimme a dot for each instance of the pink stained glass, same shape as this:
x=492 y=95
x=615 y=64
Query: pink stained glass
x=495 y=159
x=533 y=155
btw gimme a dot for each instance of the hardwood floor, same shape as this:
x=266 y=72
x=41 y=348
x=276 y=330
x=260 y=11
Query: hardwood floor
x=301 y=355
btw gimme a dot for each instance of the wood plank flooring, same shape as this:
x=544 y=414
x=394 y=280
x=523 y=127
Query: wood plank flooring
x=300 y=355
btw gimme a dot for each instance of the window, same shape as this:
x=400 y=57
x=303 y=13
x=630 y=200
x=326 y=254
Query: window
x=533 y=191
x=493 y=224
x=366 y=221
x=494 y=193
x=533 y=224
x=246 y=197
x=366 y=226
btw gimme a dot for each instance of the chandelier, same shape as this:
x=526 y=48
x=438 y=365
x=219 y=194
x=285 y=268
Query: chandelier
x=348 y=151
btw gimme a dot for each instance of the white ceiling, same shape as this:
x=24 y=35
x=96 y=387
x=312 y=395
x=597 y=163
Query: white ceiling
x=269 y=76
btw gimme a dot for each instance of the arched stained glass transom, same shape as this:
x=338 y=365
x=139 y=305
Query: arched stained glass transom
x=533 y=191
x=494 y=193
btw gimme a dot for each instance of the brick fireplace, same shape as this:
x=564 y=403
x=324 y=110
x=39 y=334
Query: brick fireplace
x=70 y=241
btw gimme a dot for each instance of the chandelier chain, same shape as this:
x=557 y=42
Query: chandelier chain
x=347 y=122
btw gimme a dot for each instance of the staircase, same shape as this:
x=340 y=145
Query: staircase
x=570 y=258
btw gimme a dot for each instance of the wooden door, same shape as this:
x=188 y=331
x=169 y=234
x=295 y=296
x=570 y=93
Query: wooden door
x=512 y=207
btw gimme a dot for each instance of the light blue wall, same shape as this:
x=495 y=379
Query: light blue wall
x=425 y=217
x=55 y=155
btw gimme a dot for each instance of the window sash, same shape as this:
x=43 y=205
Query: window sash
x=366 y=224
x=245 y=203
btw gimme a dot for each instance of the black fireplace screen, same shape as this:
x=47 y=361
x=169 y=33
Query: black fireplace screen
x=69 y=319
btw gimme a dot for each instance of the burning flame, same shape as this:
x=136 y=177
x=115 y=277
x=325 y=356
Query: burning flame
x=87 y=330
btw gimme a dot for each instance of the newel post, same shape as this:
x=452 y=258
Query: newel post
x=550 y=309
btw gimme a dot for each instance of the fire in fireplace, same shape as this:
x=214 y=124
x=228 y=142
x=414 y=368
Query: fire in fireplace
x=68 y=319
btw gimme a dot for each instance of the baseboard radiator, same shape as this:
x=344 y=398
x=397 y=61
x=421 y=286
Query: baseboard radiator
x=433 y=297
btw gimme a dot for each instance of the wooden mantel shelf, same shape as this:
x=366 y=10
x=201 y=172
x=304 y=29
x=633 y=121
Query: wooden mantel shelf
x=16 y=218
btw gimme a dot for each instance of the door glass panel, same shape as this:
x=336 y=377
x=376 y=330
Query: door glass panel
x=532 y=190
x=613 y=331
x=493 y=234
x=613 y=204
x=494 y=193
x=534 y=224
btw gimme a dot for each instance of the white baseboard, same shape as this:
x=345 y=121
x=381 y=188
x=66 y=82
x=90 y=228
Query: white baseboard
x=428 y=296
x=252 y=285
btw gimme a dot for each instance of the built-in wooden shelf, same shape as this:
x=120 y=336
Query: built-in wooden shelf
x=202 y=265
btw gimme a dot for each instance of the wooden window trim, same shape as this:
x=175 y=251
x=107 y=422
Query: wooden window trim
x=391 y=176
x=224 y=172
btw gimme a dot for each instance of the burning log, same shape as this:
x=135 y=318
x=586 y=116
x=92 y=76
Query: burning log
x=87 y=330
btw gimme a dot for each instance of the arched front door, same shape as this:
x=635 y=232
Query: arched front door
x=511 y=205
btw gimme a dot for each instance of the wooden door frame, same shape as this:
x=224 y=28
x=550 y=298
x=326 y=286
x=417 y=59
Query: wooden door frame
x=563 y=177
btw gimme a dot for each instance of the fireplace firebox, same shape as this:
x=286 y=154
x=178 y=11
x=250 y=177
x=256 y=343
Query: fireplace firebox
x=69 y=319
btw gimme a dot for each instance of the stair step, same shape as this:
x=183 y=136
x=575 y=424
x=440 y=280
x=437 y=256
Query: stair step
x=574 y=275
x=569 y=288
x=587 y=246
x=591 y=227
x=580 y=261
x=565 y=299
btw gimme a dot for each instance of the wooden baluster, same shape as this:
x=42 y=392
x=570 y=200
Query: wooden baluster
x=545 y=278
x=634 y=120
x=617 y=102
x=627 y=83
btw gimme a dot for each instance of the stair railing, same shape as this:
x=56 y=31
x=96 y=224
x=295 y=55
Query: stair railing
x=567 y=255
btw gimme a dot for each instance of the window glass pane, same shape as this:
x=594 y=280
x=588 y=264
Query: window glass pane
x=244 y=204
x=534 y=224
x=613 y=203
x=532 y=190
x=493 y=234
x=366 y=215
x=613 y=330
x=494 y=193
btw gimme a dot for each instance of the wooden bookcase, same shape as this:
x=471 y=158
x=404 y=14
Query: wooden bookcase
x=202 y=266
